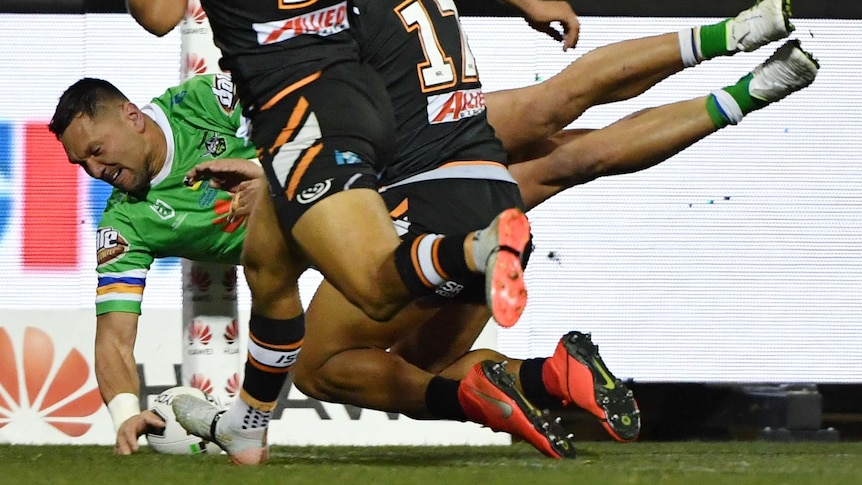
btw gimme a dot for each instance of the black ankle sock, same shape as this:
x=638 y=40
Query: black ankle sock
x=441 y=399
x=451 y=254
x=534 y=387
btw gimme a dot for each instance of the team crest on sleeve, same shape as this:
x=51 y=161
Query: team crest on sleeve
x=110 y=245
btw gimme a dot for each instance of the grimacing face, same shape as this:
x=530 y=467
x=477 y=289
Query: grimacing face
x=111 y=146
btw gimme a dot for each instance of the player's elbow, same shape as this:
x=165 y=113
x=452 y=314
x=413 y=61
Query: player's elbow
x=155 y=17
x=156 y=26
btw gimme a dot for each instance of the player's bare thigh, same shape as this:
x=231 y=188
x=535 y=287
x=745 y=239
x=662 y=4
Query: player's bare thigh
x=334 y=325
x=442 y=339
x=349 y=237
x=515 y=118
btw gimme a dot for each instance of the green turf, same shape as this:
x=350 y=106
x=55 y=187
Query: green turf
x=735 y=463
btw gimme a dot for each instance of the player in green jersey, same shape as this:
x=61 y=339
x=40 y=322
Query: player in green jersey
x=145 y=154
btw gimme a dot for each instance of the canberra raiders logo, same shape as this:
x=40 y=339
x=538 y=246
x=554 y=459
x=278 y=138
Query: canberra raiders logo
x=214 y=145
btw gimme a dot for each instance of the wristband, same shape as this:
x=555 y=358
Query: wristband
x=122 y=407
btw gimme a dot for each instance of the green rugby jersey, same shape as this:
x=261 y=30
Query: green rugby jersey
x=201 y=121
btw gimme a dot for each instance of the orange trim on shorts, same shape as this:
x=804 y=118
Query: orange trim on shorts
x=301 y=167
x=293 y=87
x=400 y=210
x=414 y=250
x=266 y=345
x=292 y=123
x=268 y=369
x=435 y=258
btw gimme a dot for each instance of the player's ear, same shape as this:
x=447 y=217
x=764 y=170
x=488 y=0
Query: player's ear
x=134 y=115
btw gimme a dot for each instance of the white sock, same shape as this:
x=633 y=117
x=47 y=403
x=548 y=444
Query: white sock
x=242 y=416
x=728 y=106
x=689 y=47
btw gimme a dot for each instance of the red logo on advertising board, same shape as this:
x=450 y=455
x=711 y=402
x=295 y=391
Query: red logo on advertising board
x=57 y=397
x=199 y=332
x=195 y=12
x=199 y=280
x=202 y=382
x=231 y=332
x=232 y=386
x=195 y=65
x=229 y=279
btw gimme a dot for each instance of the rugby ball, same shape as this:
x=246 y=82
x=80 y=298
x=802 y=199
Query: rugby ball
x=173 y=439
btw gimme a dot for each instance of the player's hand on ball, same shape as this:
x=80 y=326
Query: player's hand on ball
x=134 y=427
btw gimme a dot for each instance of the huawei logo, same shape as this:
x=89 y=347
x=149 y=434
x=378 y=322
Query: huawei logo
x=35 y=388
x=195 y=12
x=199 y=279
x=232 y=386
x=199 y=332
x=202 y=382
x=229 y=279
x=195 y=65
x=231 y=332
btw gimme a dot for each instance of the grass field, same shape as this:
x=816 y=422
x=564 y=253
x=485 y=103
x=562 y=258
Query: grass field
x=736 y=463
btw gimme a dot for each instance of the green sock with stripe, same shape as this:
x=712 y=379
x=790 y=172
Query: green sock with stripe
x=731 y=103
x=713 y=40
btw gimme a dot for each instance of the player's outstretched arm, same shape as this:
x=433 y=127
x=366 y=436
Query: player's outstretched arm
x=118 y=380
x=540 y=14
x=158 y=17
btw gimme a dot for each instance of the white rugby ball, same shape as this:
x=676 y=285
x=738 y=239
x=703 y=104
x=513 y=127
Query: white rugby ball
x=174 y=439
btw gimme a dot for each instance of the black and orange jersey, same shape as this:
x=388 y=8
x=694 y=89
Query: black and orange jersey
x=270 y=44
x=418 y=48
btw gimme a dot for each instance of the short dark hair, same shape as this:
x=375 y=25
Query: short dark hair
x=85 y=97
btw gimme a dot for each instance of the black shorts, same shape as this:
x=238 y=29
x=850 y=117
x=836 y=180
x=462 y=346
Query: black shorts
x=329 y=135
x=450 y=206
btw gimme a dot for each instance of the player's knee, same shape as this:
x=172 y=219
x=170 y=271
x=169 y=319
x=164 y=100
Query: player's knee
x=380 y=309
x=375 y=299
x=314 y=383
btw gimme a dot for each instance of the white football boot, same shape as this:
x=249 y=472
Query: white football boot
x=201 y=418
x=766 y=21
x=786 y=71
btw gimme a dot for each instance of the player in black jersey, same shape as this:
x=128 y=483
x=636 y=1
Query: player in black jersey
x=321 y=121
x=575 y=374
